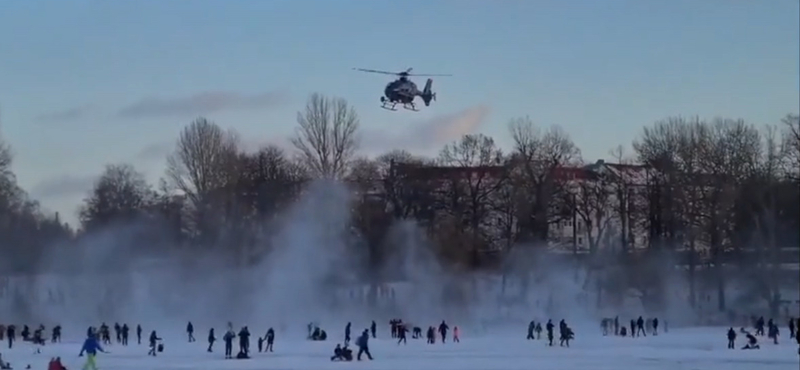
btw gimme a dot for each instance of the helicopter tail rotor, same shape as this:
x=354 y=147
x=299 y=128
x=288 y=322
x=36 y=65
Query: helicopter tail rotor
x=427 y=93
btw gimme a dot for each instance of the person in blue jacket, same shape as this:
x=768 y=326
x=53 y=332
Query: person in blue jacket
x=90 y=346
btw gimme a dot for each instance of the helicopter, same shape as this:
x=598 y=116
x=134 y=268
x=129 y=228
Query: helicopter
x=404 y=91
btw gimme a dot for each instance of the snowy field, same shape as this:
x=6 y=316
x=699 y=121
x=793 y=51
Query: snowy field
x=703 y=348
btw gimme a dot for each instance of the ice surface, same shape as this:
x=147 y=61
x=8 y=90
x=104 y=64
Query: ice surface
x=696 y=348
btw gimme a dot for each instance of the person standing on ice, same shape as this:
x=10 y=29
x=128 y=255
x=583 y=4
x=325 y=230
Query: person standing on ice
x=430 y=335
x=363 y=345
x=228 y=338
x=640 y=327
x=211 y=339
x=731 y=339
x=373 y=328
x=760 y=326
x=455 y=335
x=125 y=333
x=56 y=334
x=443 y=330
x=633 y=328
x=531 y=328
x=190 y=331
x=271 y=340
x=347 y=334
x=402 y=330
x=11 y=335
x=773 y=332
x=791 y=327
x=90 y=346
x=153 y=343
x=244 y=341
x=549 y=328
x=139 y=334
x=118 y=332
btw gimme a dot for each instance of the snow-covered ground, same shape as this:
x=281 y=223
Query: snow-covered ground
x=696 y=348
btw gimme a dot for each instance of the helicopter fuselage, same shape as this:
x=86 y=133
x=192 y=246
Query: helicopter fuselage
x=402 y=91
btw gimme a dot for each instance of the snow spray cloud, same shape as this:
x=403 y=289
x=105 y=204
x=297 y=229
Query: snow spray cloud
x=421 y=298
x=540 y=285
x=309 y=256
x=106 y=277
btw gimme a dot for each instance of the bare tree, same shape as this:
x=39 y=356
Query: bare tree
x=476 y=171
x=407 y=186
x=204 y=163
x=326 y=136
x=364 y=175
x=673 y=200
x=627 y=180
x=269 y=180
x=730 y=155
x=590 y=199
x=200 y=163
x=537 y=158
x=765 y=221
x=371 y=220
x=25 y=233
x=119 y=196
x=791 y=146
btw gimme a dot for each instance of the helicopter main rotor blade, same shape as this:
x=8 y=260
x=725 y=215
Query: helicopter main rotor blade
x=375 y=71
x=429 y=75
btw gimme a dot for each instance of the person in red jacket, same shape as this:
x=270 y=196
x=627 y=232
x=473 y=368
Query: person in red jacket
x=55 y=364
x=455 y=334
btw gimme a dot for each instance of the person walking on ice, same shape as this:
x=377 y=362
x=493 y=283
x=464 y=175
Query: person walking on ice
x=90 y=346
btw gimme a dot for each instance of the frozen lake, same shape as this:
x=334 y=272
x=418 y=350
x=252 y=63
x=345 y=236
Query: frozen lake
x=690 y=349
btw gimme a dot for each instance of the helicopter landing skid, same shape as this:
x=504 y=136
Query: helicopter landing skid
x=389 y=107
x=410 y=107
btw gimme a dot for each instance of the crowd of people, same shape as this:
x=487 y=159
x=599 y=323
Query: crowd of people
x=98 y=337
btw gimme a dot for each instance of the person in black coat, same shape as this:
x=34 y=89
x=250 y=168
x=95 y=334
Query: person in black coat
x=363 y=345
x=190 y=331
x=531 y=329
x=153 y=343
x=125 y=334
x=270 y=338
x=228 y=338
x=640 y=327
x=211 y=339
x=402 y=330
x=731 y=339
x=443 y=331
x=244 y=341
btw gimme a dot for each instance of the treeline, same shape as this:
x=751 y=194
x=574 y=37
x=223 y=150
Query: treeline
x=708 y=192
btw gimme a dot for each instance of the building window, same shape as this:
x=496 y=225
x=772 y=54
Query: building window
x=580 y=241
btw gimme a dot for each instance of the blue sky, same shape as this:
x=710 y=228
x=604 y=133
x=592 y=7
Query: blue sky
x=85 y=83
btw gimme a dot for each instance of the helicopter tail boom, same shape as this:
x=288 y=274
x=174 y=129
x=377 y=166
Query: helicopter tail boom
x=427 y=93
